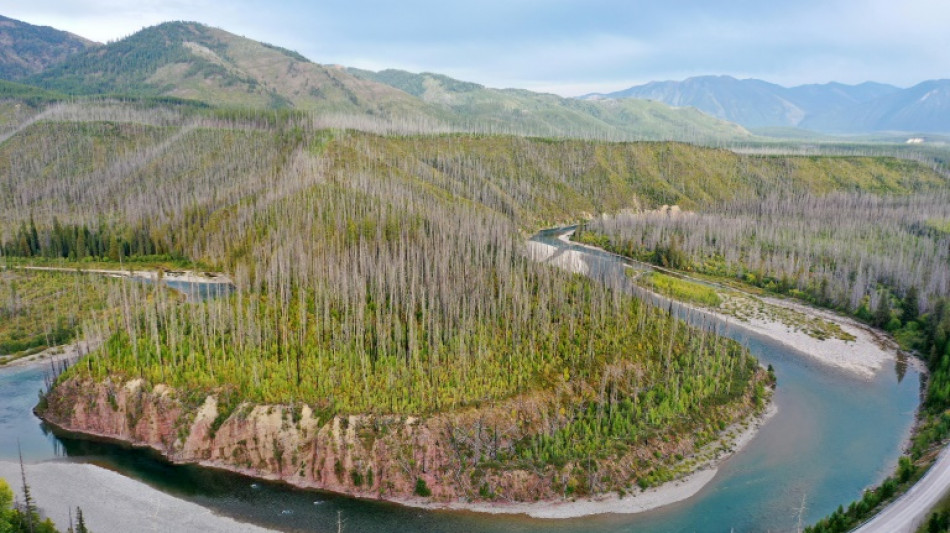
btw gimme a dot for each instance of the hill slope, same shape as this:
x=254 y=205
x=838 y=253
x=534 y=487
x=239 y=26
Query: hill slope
x=26 y=49
x=193 y=61
x=517 y=111
x=346 y=249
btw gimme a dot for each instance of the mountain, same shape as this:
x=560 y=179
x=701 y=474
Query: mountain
x=517 y=111
x=196 y=62
x=924 y=107
x=830 y=97
x=26 y=49
x=753 y=103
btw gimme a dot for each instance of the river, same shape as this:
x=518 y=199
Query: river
x=835 y=434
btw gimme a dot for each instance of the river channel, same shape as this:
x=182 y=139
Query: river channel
x=834 y=435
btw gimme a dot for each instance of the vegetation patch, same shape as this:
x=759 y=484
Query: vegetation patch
x=39 y=310
x=682 y=290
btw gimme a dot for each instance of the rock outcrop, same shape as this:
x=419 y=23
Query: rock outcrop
x=462 y=456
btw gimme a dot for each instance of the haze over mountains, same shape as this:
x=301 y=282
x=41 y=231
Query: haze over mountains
x=831 y=107
x=195 y=62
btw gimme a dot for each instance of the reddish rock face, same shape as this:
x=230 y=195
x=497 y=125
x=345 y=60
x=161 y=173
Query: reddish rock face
x=458 y=456
x=366 y=455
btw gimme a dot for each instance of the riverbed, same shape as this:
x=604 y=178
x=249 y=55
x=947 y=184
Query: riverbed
x=835 y=434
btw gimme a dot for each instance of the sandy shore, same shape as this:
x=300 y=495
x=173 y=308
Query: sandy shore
x=638 y=502
x=57 y=354
x=864 y=355
x=185 y=276
x=111 y=502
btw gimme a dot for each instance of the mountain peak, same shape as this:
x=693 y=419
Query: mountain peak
x=194 y=61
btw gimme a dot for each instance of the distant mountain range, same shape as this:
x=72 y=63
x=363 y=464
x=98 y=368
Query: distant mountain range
x=504 y=110
x=26 y=49
x=925 y=107
x=830 y=108
x=195 y=62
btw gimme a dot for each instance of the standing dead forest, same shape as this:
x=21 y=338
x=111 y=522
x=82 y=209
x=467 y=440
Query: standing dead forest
x=881 y=258
x=387 y=274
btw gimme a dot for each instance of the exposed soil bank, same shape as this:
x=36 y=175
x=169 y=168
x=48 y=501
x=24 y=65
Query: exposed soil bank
x=379 y=457
x=734 y=439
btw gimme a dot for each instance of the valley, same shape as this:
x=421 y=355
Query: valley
x=425 y=301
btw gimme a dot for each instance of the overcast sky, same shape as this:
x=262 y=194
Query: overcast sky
x=563 y=46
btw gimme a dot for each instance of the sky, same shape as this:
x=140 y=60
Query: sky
x=562 y=46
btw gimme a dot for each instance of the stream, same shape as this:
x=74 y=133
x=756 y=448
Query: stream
x=835 y=434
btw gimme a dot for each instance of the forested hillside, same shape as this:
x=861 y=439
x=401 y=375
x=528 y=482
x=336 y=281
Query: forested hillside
x=173 y=173
x=26 y=49
x=849 y=251
x=347 y=249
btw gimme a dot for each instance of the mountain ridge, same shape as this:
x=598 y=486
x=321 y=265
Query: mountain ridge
x=198 y=62
x=752 y=102
x=193 y=61
x=26 y=49
x=828 y=107
x=925 y=107
x=549 y=113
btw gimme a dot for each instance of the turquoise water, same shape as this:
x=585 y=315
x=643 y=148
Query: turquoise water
x=834 y=435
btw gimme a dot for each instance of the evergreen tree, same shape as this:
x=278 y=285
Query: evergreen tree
x=29 y=506
x=80 y=522
x=910 y=308
x=882 y=313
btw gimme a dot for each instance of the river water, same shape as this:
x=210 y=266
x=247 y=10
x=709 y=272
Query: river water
x=835 y=434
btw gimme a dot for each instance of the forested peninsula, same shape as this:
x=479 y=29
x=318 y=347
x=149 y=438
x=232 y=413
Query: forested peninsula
x=388 y=336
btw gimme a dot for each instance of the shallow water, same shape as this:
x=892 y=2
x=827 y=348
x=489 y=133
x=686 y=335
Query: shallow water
x=834 y=435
